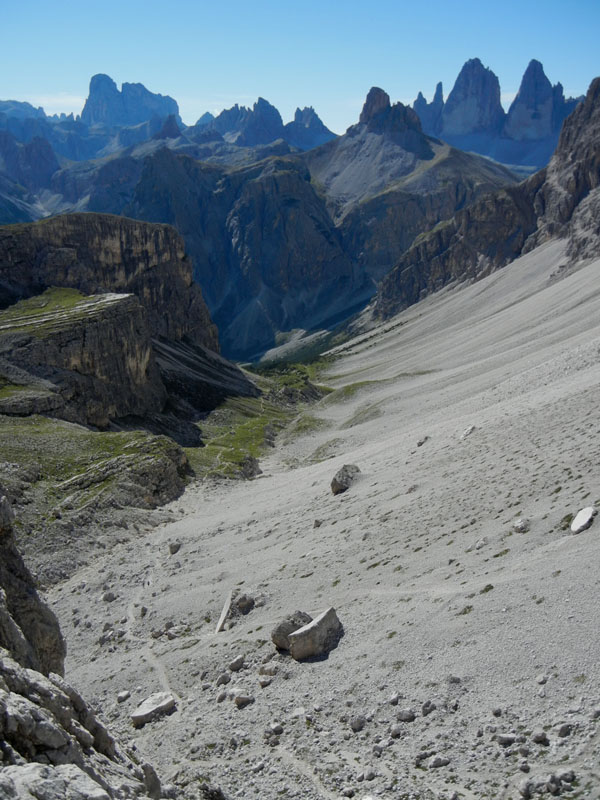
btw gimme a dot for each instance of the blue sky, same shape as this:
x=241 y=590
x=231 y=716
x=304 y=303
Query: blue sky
x=209 y=56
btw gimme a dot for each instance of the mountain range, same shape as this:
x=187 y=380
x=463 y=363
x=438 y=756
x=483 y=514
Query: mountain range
x=288 y=226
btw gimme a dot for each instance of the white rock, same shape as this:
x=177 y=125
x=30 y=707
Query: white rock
x=317 y=637
x=152 y=707
x=583 y=519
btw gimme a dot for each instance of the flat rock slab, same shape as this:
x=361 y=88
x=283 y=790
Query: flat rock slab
x=583 y=519
x=317 y=637
x=154 y=706
x=344 y=478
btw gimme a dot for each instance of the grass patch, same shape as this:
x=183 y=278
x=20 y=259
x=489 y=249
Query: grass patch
x=464 y=611
x=236 y=431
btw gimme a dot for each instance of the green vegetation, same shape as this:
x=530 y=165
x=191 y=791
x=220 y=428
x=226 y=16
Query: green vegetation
x=235 y=432
x=42 y=313
x=65 y=460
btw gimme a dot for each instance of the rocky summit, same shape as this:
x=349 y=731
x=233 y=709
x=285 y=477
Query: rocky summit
x=473 y=118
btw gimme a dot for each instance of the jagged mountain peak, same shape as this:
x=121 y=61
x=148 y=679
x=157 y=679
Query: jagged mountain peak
x=108 y=106
x=376 y=102
x=473 y=105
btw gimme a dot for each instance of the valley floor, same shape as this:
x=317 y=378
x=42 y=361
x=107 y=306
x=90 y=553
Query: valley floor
x=472 y=409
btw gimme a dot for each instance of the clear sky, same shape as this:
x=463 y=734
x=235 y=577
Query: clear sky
x=209 y=56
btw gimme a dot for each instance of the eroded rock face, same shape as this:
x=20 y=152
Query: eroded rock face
x=97 y=253
x=28 y=628
x=473 y=105
x=96 y=355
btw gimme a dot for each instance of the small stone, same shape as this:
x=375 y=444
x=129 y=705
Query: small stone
x=422 y=441
x=344 y=478
x=539 y=737
x=276 y=728
x=521 y=525
x=438 y=761
x=394 y=699
x=505 y=739
x=541 y=679
x=370 y=775
x=428 y=707
x=124 y=695
x=109 y=597
x=524 y=766
x=245 y=603
x=221 y=697
x=357 y=724
x=264 y=681
x=243 y=700
x=406 y=715
x=237 y=664
x=565 y=730
x=317 y=524
x=497 y=712
x=467 y=431
x=348 y=791
x=223 y=679
x=396 y=731
x=565 y=775
x=583 y=519
x=154 y=706
x=174 y=547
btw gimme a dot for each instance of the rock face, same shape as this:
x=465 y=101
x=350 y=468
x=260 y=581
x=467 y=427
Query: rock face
x=31 y=165
x=554 y=202
x=96 y=253
x=64 y=338
x=108 y=106
x=265 y=250
x=473 y=119
x=473 y=105
x=90 y=357
x=28 y=628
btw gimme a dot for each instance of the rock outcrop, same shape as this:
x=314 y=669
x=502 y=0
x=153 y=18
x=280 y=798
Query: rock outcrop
x=31 y=165
x=96 y=253
x=28 y=628
x=51 y=742
x=95 y=352
x=558 y=201
x=473 y=105
x=108 y=106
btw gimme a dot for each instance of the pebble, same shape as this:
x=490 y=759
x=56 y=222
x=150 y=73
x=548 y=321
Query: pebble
x=406 y=715
x=124 y=695
x=237 y=664
x=243 y=700
x=539 y=737
x=438 y=761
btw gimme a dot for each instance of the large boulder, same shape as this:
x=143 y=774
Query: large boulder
x=344 y=478
x=316 y=638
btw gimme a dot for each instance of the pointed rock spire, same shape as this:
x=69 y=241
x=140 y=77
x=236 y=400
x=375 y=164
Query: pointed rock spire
x=376 y=102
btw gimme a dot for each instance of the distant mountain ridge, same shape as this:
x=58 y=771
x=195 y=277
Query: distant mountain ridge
x=560 y=201
x=472 y=117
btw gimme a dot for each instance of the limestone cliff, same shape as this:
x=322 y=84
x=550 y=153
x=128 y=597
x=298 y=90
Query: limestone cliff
x=94 y=352
x=98 y=253
x=559 y=201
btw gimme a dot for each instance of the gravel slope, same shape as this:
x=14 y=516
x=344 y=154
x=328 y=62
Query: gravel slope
x=441 y=599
